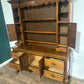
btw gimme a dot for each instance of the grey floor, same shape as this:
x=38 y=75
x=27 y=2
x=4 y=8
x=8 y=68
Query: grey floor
x=9 y=76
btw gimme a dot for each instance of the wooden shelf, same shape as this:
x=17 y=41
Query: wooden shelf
x=60 y=45
x=20 y=41
x=41 y=19
x=63 y=22
x=40 y=42
x=17 y=23
x=16 y=16
x=63 y=34
x=46 y=32
x=63 y=12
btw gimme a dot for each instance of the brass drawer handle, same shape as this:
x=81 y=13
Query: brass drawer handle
x=15 y=66
x=16 y=56
x=53 y=64
x=53 y=75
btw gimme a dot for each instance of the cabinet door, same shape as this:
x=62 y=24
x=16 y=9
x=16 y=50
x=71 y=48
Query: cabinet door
x=24 y=62
x=11 y=32
x=72 y=34
x=41 y=67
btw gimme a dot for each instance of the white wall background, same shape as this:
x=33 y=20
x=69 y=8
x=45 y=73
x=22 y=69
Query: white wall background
x=77 y=57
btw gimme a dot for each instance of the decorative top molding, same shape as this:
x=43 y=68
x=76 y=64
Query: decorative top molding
x=32 y=3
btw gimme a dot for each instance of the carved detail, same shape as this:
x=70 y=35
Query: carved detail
x=32 y=3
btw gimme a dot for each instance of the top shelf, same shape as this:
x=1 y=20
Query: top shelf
x=41 y=19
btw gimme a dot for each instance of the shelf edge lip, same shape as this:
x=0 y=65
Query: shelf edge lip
x=44 y=19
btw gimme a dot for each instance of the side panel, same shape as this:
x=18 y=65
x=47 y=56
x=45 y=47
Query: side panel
x=11 y=32
x=72 y=34
x=41 y=67
x=24 y=62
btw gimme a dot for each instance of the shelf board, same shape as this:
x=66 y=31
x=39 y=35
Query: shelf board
x=63 y=21
x=16 y=16
x=43 y=32
x=63 y=34
x=40 y=42
x=63 y=12
x=20 y=40
x=17 y=23
x=41 y=19
x=60 y=45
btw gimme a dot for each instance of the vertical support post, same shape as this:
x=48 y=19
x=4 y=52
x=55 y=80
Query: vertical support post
x=21 y=27
x=69 y=11
x=57 y=22
x=66 y=72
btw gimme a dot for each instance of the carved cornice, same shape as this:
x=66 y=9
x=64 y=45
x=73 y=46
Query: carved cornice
x=32 y=3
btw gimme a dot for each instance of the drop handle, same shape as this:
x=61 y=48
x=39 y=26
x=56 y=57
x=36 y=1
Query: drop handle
x=53 y=64
x=15 y=66
x=53 y=75
x=16 y=56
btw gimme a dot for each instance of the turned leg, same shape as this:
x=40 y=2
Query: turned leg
x=65 y=72
x=17 y=71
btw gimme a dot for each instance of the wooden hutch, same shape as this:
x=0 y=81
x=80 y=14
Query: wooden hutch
x=44 y=35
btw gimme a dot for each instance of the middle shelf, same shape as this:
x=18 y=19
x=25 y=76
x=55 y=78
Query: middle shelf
x=47 y=32
x=40 y=42
x=40 y=19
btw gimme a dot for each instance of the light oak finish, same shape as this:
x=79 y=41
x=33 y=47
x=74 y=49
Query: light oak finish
x=41 y=19
x=54 y=63
x=40 y=42
x=16 y=55
x=46 y=32
x=53 y=75
x=14 y=65
x=34 y=69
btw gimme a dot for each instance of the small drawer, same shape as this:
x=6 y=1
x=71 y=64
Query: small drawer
x=16 y=55
x=34 y=69
x=61 y=49
x=15 y=64
x=53 y=75
x=20 y=44
x=58 y=64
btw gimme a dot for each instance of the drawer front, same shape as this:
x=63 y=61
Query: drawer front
x=16 y=55
x=54 y=63
x=54 y=76
x=18 y=43
x=15 y=66
x=61 y=50
x=33 y=69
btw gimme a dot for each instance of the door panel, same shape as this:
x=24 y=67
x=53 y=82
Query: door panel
x=41 y=67
x=72 y=34
x=11 y=32
x=24 y=61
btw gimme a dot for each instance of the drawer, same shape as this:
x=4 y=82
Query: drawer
x=53 y=75
x=16 y=55
x=20 y=44
x=61 y=49
x=34 y=69
x=15 y=64
x=58 y=64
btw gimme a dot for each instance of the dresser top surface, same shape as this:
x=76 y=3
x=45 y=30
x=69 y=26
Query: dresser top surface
x=43 y=51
